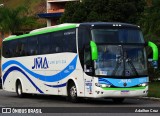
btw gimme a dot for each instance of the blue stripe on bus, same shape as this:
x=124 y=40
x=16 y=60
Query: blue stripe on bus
x=53 y=78
x=104 y=81
x=57 y=86
x=119 y=82
x=14 y=68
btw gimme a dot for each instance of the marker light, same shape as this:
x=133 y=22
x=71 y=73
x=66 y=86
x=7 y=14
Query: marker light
x=143 y=84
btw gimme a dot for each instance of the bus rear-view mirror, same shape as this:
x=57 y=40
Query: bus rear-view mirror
x=154 y=60
x=94 y=51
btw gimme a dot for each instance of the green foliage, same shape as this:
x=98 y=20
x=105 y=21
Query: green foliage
x=150 y=25
x=150 y=20
x=154 y=74
x=154 y=90
x=103 y=10
x=13 y=20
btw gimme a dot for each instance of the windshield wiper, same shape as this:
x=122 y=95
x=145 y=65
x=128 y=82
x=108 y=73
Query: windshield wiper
x=120 y=60
x=129 y=61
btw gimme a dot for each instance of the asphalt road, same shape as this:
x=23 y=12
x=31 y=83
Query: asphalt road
x=8 y=99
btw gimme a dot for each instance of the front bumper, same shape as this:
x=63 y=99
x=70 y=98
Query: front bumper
x=121 y=92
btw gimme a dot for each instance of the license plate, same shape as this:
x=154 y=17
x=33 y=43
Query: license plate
x=125 y=92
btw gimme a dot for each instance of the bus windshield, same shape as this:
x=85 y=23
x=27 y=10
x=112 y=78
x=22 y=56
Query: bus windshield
x=120 y=52
x=117 y=36
x=118 y=60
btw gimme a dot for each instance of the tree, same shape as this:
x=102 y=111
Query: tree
x=150 y=25
x=150 y=19
x=13 y=20
x=103 y=10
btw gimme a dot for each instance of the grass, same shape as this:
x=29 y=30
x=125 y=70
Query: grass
x=154 y=89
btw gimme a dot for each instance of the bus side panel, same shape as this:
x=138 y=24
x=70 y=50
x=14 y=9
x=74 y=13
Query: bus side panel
x=13 y=70
x=80 y=83
x=9 y=85
x=89 y=85
x=51 y=80
x=62 y=65
x=77 y=77
x=48 y=89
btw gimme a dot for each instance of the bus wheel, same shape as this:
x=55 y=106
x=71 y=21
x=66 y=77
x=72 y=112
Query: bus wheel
x=118 y=100
x=72 y=93
x=19 y=89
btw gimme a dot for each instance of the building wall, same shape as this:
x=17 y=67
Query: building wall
x=56 y=6
x=59 y=5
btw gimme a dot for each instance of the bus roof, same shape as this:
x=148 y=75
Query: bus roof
x=43 y=31
x=109 y=24
x=69 y=26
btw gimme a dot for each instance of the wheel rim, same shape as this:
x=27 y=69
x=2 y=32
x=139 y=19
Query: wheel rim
x=73 y=92
x=19 y=90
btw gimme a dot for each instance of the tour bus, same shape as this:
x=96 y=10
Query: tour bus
x=86 y=60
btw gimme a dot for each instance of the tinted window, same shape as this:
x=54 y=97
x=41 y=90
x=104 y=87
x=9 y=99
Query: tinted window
x=6 y=51
x=23 y=46
x=83 y=37
x=117 y=36
x=69 y=41
x=32 y=46
x=10 y=48
x=57 y=42
x=44 y=43
x=83 y=40
x=13 y=48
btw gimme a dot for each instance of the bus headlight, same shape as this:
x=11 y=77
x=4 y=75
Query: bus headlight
x=102 y=85
x=143 y=84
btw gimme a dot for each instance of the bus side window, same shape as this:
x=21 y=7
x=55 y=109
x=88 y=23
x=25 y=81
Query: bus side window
x=44 y=43
x=14 y=48
x=52 y=43
x=57 y=42
x=69 y=41
x=33 y=46
x=23 y=47
x=6 y=51
x=88 y=64
x=84 y=36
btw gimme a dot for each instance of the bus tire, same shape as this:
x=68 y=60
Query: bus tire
x=19 y=90
x=118 y=100
x=72 y=93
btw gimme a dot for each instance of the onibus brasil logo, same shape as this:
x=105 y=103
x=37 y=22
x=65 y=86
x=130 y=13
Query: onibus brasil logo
x=40 y=63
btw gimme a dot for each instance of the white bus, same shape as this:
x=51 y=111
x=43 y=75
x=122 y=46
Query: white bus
x=93 y=60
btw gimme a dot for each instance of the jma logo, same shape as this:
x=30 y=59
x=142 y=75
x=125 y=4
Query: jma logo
x=40 y=63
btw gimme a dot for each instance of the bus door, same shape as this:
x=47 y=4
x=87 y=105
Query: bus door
x=88 y=72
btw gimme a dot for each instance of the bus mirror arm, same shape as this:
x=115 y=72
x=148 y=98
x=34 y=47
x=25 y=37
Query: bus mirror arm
x=94 y=50
x=155 y=54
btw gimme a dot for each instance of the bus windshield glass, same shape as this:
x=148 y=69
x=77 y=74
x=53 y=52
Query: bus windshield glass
x=118 y=60
x=121 y=52
x=117 y=36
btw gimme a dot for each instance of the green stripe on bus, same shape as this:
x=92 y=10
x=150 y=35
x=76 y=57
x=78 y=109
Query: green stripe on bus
x=120 y=89
x=54 y=29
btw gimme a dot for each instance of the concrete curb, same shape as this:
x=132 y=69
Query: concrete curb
x=151 y=98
